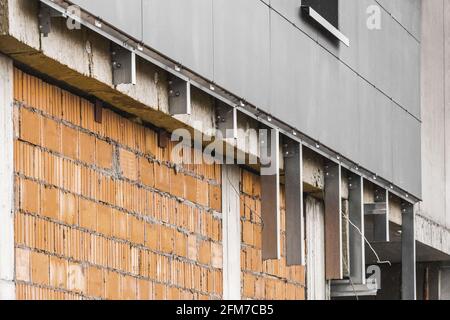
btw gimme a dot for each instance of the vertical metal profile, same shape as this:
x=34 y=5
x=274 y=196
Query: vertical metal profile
x=408 y=252
x=293 y=164
x=123 y=65
x=179 y=96
x=333 y=222
x=356 y=231
x=381 y=221
x=269 y=147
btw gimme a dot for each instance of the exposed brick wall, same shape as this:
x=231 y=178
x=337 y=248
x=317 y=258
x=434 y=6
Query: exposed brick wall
x=100 y=211
x=270 y=279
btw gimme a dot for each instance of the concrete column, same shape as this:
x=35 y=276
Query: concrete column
x=7 y=285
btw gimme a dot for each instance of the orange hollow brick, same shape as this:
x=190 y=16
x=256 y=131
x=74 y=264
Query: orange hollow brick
x=152 y=236
x=167 y=239
x=58 y=273
x=51 y=136
x=70 y=138
x=145 y=290
x=204 y=252
x=87 y=148
x=162 y=178
x=87 y=214
x=103 y=154
x=128 y=164
x=30 y=126
x=112 y=285
x=69 y=208
x=119 y=224
x=29 y=196
x=95 y=282
x=104 y=220
x=177 y=184
x=50 y=202
x=129 y=288
x=40 y=268
x=23 y=264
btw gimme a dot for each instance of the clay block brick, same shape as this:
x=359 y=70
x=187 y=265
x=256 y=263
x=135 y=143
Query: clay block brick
x=181 y=244
x=129 y=288
x=145 y=290
x=177 y=184
x=103 y=154
x=23 y=265
x=104 y=220
x=136 y=230
x=259 y=288
x=128 y=164
x=191 y=188
x=160 y=291
x=40 y=268
x=151 y=144
x=95 y=282
x=69 y=144
x=167 y=239
x=215 y=198
x=119 y=225
x=192 y=247
x=76 y=278
x=216 y=255
x=152 y=236
x=87 y=214
x=58 y=273
x=204 y=252
x=51 y=137
x=29 y=196
x=162 y=178
x=202 y=193
x=247 y=232
x=87 y=148
x=146 y=170
x=69 y=208
x=30 y=126
x=112 y=285
x=50 y=202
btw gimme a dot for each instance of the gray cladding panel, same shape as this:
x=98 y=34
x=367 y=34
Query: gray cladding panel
x=406 y=12
x=124 y=15
x=241 y=49
x=274 y=58
x=181 y=30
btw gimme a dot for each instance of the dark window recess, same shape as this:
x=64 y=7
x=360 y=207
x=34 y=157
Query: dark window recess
x=329 y=9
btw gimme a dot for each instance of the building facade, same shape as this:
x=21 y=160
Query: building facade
x=316 y=168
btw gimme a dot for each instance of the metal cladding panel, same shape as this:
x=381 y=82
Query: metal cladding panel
x=181 y=30
x=293 y=61
x=388 y=58
x=406 y=151
x=124 y=15
x=375 y=130
x=270 y=55
x=407 y=13
x=242 y=48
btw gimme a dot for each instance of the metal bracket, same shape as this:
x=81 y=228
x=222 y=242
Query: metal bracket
x=123 y=65
x=381 y=221
x=333 y=222
x=356 y=231
x=295 y=230
x=226 y=120
x=45 y=19
x=270 y=193
x=408 y=252
x=179 y=96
